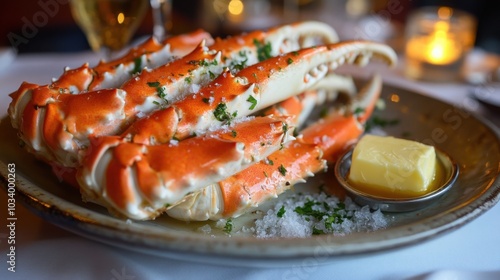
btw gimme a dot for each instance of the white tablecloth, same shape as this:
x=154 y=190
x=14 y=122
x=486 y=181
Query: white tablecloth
x=44 y=251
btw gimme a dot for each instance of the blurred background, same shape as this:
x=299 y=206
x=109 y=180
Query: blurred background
x=48 y=26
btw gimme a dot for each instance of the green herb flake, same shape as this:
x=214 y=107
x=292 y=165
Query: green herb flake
x=228 y=227
x=159 y=89
x=221 y=113
x=358 y=111
x=137 y=66
x=161 y=92
x=307 y=210
x=263 y=50
x=253 y=101
x=282 y=170
x=289 y=61
x=211 y=74
x=240 y=66
x=316 y=231
x=153 y=84
x=234 y=133
x=377 y=121
x=281 y=212
x=188 y=80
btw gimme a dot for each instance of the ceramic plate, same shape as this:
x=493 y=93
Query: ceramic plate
x=472 y=142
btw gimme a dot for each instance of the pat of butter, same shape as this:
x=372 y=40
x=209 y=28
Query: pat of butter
x=392 y=167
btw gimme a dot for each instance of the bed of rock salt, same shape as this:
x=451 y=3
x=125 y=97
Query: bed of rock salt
x=304 y=215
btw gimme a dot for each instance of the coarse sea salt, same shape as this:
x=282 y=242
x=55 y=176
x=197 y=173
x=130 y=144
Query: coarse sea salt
x=303 y=215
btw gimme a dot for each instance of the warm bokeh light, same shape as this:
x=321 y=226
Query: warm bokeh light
x=441 y=48
x=120 y=18
x=395 y=98
x=235 y=7
x=445 y=13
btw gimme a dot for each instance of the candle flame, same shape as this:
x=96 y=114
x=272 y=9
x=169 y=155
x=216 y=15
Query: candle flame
x=441 y=48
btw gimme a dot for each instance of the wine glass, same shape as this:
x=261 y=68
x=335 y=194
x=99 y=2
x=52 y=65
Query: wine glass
x=161 y=18
x=108 y=24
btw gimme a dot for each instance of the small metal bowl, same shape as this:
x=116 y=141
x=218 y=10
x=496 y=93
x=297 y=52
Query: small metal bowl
x=451 y=171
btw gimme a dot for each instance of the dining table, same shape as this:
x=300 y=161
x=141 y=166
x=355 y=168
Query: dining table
x=43 y=250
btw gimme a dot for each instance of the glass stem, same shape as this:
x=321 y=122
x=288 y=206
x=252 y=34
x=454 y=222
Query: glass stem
x=161 y=18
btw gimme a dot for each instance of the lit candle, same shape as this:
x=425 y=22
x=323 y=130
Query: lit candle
x=440 y=46
x=437 y=38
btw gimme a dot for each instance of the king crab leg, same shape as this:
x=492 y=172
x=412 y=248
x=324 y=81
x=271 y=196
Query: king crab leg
x=322 y=141
x=58 y=133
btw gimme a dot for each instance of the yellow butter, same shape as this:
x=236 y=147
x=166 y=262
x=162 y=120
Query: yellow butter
x=392 y=167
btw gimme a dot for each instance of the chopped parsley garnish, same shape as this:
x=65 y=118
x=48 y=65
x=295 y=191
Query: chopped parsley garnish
x=188 y=80
x=221 y=113
x=252 y=100
x=203 y=62
x=358 y=111
x=159 y=90
x=281 y=212
x=206 y=100
x=153 y=84
x=137 y=66
x=211 y=74
x=307 y=210
x=316 y=231
x=228 y=227
x=263 y=50
x=240 y=66
x=282 y=170
x=289 y=61
x=380 y=122
x=270 y=161
x=234 y=133
x=329 y=216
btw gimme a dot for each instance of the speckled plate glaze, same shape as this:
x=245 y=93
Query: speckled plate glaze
x=472 y=142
